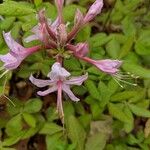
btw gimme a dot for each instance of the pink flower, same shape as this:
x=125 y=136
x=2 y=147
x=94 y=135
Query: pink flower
x=94 y=10
x=80 y=50
x=107 y=65
x=59 y=82
x=59 y=5
x=59 y=74
x=16 y=54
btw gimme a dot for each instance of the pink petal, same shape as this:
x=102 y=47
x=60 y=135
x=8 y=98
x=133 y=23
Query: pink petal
x=94 y=10
x=58 y=72
x=67 y=90
x=76 y=80
x=107 y=65
x=31 y=38
x=12 y=44
x=48 y=91
x=10 y=62
x=62 y=34
x=82 y=49
x=78 y=18
x=39 y=82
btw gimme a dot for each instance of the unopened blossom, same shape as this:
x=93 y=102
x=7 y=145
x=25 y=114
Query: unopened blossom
x=106 y=65
x=59 y=5
x=79 y=50
x=94 y=10
x=59 y=81
x=16 y=54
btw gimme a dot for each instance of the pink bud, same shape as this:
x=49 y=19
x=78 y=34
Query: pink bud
x=107 y=65
x=59 y=5
x=62 y=34
x=82 y=49
x=94 y=10
x=78 y=18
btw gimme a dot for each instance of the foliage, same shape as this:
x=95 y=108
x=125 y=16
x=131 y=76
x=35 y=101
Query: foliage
x=108 y=117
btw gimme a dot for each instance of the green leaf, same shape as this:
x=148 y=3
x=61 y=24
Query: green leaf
x=12 y=140
x=139 y=111
x=126 y=47
x=50 y=128
x=118 y=113
x=37 y=2
x=113 y=48
x=92 y=89
x=33 y=105
x=6 y=24
x=29 y=119
x=72 y=64
x=84 y=34
x=130 y=125
x=53 y=142
x=14 y=125
x=96 y=142
x=98 y=40
x=136 y=69
x=11 y=8
x=76 y=132
x=125 y=95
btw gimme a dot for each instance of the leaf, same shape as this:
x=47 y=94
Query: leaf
x=92 y=89
x=118 y=113
x=29 y=119
x=37 y=2
x=139 y=111
x=72 y=64
x=130 y=125
x=33 y=105
x=125 y=95
x=113 y=48
x=14 y=125
x=98 y=40
x=76 y=132
x=136 y=69
x=54 y=142
x=11 y=8
x=96 y=142
x=50 y=128
x=12 y=140
x=84 y=34
x=126 y=47
x=6 y=24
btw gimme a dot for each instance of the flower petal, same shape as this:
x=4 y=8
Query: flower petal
x=48 y=91
x=10 y=62
x=31 y=38
x=94 y=10
x=77 y=80
x=67 y=90
x=12 y=44
x=58 y=72
x=40 y=82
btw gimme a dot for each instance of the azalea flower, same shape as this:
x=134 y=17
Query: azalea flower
x=49 y=33
x=59 y=81
x=106 y=65
x=16 y=54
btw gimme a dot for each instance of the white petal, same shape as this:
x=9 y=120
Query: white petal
x=40 y=82
x=12 y=44
x=67 y=90
x=58 y=72
x=76 y=80
x=31 y=38
x=48 y=91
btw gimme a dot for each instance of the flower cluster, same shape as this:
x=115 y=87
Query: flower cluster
x=54 y=36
